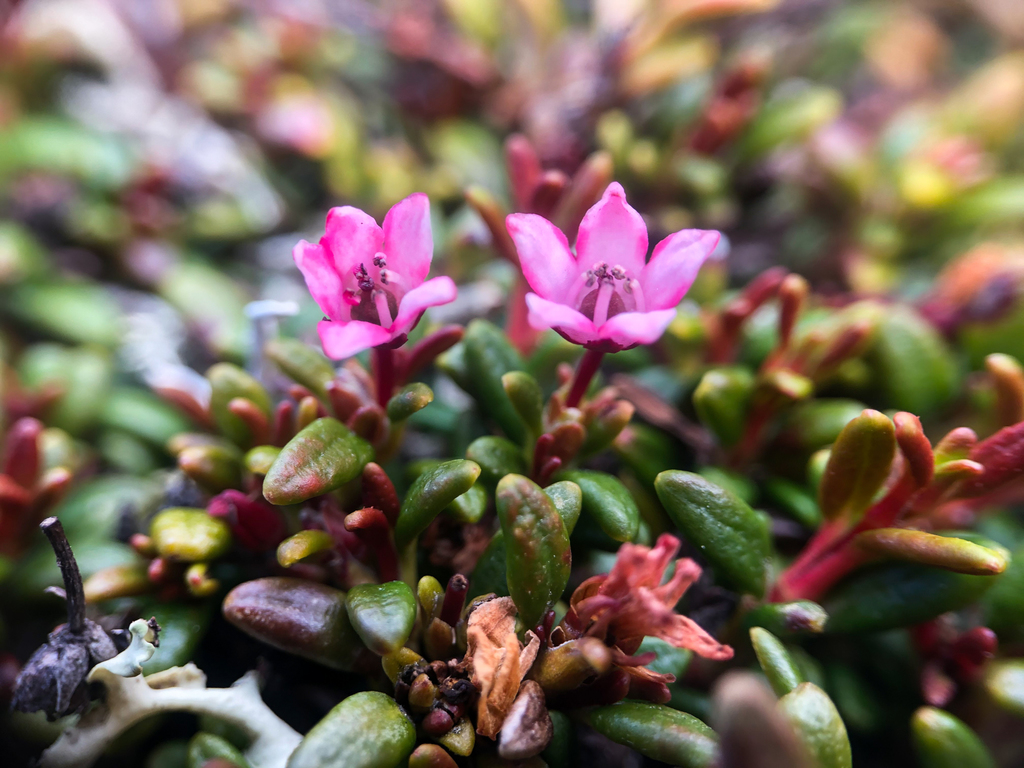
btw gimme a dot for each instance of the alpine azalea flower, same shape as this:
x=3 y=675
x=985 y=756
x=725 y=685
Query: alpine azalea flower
x=368 y=280
x=607 y=297
x=631 y=603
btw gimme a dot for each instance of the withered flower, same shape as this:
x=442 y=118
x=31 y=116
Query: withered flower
x=631 y=603
x=53 y=679
x=498 y=661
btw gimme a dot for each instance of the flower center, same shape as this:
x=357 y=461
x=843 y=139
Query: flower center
x=376 y=293
x=603 y=292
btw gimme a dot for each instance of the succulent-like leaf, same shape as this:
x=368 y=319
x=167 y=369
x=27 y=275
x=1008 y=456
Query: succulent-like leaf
x=366 y=730
x=732 y=536
x=942 y=740
x=818 y=725
x=657 y=732
x=382 y=614
x=433 y=490
x=536 y=547
x=947 y=552
x=608 y=501
x=857 y=466
x=778 y=666
x=323 y=456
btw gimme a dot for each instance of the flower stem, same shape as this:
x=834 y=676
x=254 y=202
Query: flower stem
x=384 y=374
x=585 y=371
x=69 y=572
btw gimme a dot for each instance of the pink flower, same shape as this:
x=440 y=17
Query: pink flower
x=631 y=603
x=368 y=280
x=606 y=297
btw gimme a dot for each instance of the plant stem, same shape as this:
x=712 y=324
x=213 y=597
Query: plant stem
x=69 y=572
x=384 y=374
x=585 y=371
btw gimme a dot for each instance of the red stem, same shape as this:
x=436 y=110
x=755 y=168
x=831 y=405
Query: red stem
x=585 y=371
x=384 y=374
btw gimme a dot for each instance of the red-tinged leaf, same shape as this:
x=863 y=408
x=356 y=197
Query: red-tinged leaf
x=915 y=447
x=523 y=169
x=426 y=350
x=1008 y=382
x=379 y=492
x=13 y=495
x=947 y=552
x=957 y=444
x=322 y=457
x=21 y=453
x=1002 y=456
x=254 y=418
x=857 y=466
x=256 y=525
x=52 y=486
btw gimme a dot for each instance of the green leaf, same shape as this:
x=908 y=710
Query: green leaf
x=189 y=535
x=488 y=356
x=899 y=595
x=144 y=415
x=83 y=376
x=733 y=537
x=1004 y=603
x=433 y=490
x=526 y=397
x=323 y=456
x=947 y=552
x=497 y=457
x=1004 y=681
x=795 y=500
x=206 y=746
x=258 y=460
x=778 y=666
x=798 y=617
x=914 y=367
x=227 y=382
x=657 y=732
x=607 y=501
x=297 y=616
x=470 y=506
x=857 y=466
x=214 y=467
x=382 y=614
x=721 y=400
x=410 y=399
x=944 y=741
x=302 y=545
x=568 y=500
x=302 y=364
x=538 y=558
x=366 y=730
x=819 y=726
x=490 y=573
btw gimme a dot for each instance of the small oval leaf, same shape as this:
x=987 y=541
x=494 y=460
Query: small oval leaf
x=323 y=456
x=382 y=614
x=732 y=535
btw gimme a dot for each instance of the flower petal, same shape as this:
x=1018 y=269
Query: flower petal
x=546 y=314
x=345 y=339
x=674 y=266
x=408 y=239
x=627 y=329
x=544 y=255
x=322 y=279
x=612 y=232
x=434 y=292
x=353 y=238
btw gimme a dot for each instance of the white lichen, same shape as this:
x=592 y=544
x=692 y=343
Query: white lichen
x=130 y=697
